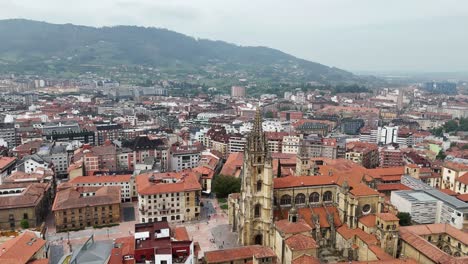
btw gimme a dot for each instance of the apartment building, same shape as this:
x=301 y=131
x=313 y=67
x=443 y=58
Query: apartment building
x=80 y=207
x=125 y=182
x=172 y=197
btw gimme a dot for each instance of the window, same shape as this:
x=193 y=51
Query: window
x=25 y=216
x=327 y=196
x=257 y=210
x=259 y=185
x=314 y=197
x=300 y=199
x=366 y=209
x=285 y=200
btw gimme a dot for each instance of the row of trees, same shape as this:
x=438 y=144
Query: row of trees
x=450 y=126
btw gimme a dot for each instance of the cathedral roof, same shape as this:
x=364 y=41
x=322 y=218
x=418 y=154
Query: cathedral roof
x=301 y=242
x=288 y=227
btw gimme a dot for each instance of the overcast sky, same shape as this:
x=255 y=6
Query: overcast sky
x=356 y=35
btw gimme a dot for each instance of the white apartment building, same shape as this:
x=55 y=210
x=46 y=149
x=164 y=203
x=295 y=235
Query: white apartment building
x=291 y=144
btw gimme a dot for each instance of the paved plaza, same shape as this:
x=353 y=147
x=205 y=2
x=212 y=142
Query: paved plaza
x=212 y=232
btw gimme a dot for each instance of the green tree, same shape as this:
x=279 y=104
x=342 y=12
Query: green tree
x=405 y=219
x=24 y=224
x=224 y=185
x=269 y=114
x=441 y=155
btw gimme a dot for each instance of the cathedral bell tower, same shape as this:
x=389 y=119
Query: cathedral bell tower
x=256 y=201
x=303 y=161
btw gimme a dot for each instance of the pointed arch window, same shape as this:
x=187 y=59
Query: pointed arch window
x=257 y=210
x=259 y=185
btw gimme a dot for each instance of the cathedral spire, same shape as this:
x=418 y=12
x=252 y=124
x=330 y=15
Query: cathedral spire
x=257 y=126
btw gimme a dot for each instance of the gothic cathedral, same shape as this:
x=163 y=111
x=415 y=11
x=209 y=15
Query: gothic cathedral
x=255 y=219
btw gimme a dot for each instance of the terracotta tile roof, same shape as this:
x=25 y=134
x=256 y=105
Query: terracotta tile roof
x=463 y=179
x=20 y=249
x=292 y=228
x=378 y=173
x=30 y=196
x=306 y=259
x=306 y=213
x=438 y=229
x=463 y=197
x=368 y=220
x=423 y=246
x=124 y=246
x=387 y=217
x=101 y=179
x=239 y=253
x=185 y=181
x=349 y=233
x=205 y=172
x=392 y=187
x=71 y=197
x=233 y=164
x=391 y=261
x=380 y=253
x=180 y=233
x=298 y=181
x=6 y=162
x=449 y=192
x=455 y=166
x=301 y=242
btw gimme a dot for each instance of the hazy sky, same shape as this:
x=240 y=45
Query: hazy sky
x=377 y=35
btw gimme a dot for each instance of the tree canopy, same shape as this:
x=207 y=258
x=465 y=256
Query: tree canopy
x=224 y=185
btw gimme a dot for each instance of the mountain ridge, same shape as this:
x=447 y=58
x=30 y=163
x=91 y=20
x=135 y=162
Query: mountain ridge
x=31 y=45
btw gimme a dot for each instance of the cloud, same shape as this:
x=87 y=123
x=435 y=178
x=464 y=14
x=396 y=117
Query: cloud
x=352 y=34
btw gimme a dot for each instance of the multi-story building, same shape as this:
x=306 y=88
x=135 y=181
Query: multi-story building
x=107 y=132
x=7 y=165
x=237 y=91
x=236 y=143
x=433 y=243
x=126 y=183
x=100 y=158
x=154 y=242
x=185 y=157
x=454 y=177
x=24 y=201
x=173 y=197
x=382 y=135
x=366 y=154
x=8 y=134
x=275 y=141
x=390 y=156
x=291 y=144
x=148 y=146
x=80 y=207
x=428 y=205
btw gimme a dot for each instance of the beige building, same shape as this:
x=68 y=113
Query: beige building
x=24 y=201
x=25 y=248
x=172 y=197
x=434 y=243
x=80 y=207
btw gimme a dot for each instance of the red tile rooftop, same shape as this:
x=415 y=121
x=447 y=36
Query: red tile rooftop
x=301 y=242
x=20 y=249
x=240 y=253
x=287 y=227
